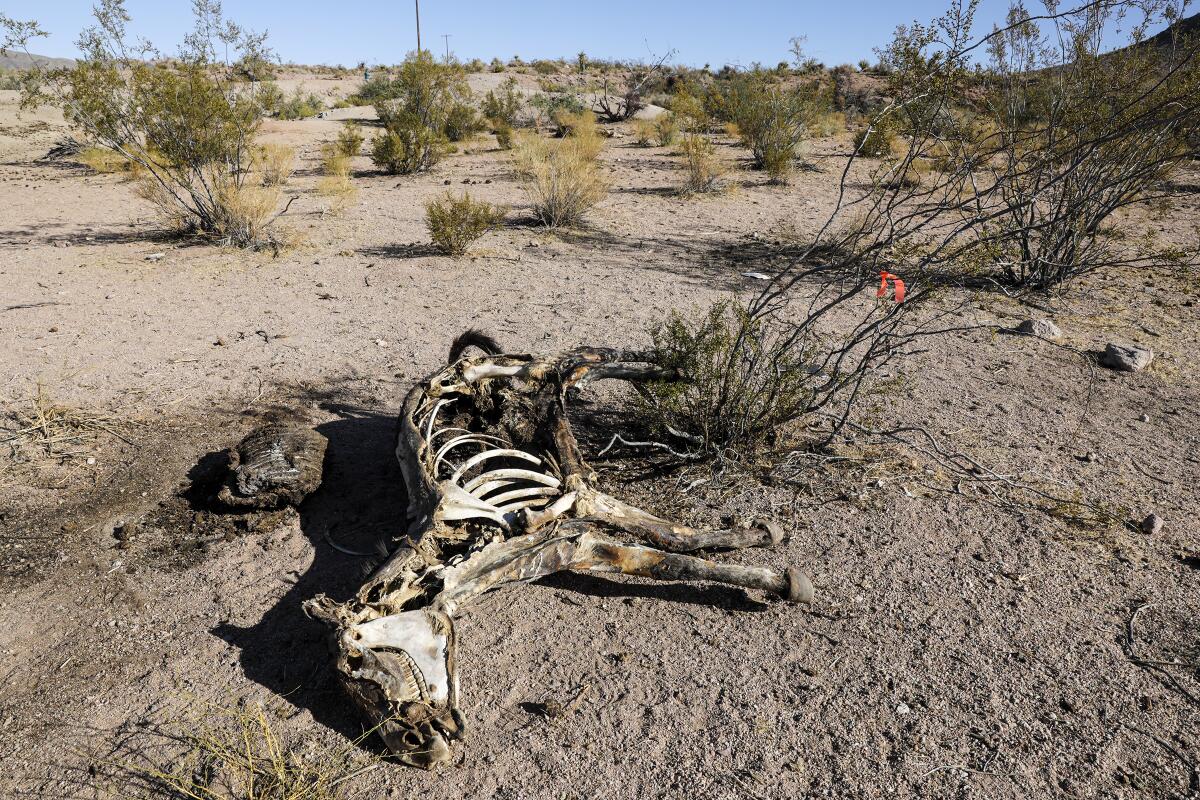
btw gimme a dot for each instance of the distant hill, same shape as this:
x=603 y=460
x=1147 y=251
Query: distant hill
x=14 y=60
x=1187 y=27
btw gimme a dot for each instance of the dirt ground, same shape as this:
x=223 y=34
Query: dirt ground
x=958 y=646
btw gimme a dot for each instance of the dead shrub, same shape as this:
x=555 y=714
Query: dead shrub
x=43 y=427
x=275 y=163
x=703 y=167
x=455 y=223
x=214 y=752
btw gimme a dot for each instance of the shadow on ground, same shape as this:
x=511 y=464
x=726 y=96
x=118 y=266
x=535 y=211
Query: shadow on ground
x=360 y=503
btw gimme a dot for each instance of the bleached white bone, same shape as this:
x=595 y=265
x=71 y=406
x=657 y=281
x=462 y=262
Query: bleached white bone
x=459 y=505
x=499 y=500
x=412 y=633
x=476 y=438
x=477 y=372
x=433 y=417
x=529 y=475
x=497 y=453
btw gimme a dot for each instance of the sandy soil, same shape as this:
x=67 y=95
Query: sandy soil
x=957 y=648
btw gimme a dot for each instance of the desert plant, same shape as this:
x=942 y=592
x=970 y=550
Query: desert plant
x=644 y=132
x=544 y=67
x=462 y=122
x=244 y=210
x=233 y=752
x=772 y=120
x=300 y=106
x=405 y=148
x=455 y=223
x=582 y=130
x=504 y=135
x=190 y=127
x=107 y=161
x=350 y=139
x=665 y=129
x=875 y=140
x=503 y=104
x=562 y=179
x=550 y=106
x=702 y=167
x=496 y=65
x=275 y=163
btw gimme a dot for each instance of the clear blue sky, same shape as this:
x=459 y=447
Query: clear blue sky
x=702 y=31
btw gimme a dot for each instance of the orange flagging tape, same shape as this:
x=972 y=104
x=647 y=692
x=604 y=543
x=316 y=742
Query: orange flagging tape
x=897 y=286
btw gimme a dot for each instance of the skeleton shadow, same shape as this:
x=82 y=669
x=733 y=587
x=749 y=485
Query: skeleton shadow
x=360 y=502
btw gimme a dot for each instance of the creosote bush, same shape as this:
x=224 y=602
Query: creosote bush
x=421 y=109
x=503 y=104
x=189 y=124
x=742 y=379
x=455 y=223
x=772 y=120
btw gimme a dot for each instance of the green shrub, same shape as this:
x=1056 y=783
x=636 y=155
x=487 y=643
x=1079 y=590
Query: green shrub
x=503 y=104
x=462 y=122
x=350 y=139
x=300 y=106
x=454 y=223
x=270 y=97
x=190 y=129
x=504 y=135
x=742 y=379
x=665 y=129
x=551 y=105
x=772 y=120
x=543 y=67
x=644 y=132
x=875 y=141
x=405 y=149
x=496 y=65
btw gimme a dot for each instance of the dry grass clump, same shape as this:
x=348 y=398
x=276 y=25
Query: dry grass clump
x=228 y=753
x=666 y=128
x=455 y=223
x=583 y=132
x=336 y=183
x=644 y=132
x=43 y=427
x=244 y=211
x=276 y=163
x=703 y=168
x=561 y=176
x=107 y=161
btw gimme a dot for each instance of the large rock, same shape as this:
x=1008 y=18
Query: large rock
x=1041 y=328
x=1127 y=358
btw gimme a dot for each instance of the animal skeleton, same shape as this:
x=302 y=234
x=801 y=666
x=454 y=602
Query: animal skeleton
x=498 y=492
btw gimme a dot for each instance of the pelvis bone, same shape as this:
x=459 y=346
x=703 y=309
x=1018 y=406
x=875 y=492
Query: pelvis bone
x=498 y=493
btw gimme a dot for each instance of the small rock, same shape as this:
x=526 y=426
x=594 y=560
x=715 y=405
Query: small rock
x=381 y=342
x=220 y=342
x=1041 y=328
x=1152 y=525
x=487 y=180
x=155 y=256
x=903 y=709
x=1144 y=418
x=446 y=182
x=1129 y=358
x=54 y=329
x=91 y=461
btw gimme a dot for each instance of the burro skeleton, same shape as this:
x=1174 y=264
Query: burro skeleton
x=499 y=493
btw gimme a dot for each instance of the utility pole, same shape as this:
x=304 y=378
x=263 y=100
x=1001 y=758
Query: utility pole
x=447 y=36
x=418 y=4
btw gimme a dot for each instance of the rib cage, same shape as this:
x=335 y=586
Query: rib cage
x=483 y=476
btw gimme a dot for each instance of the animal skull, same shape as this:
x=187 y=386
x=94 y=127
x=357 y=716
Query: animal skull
x=498 y=492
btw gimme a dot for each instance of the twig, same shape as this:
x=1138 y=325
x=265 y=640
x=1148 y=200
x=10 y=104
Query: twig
x=618 y=438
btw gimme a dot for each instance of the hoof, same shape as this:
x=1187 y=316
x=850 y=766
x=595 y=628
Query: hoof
x=799 y=587
x=773 y=530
